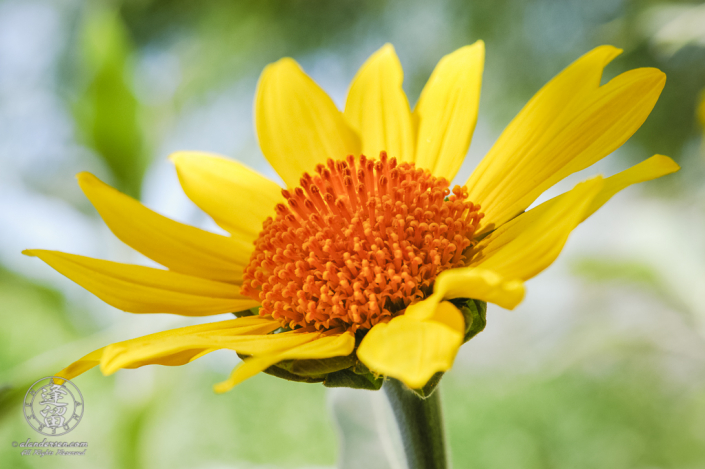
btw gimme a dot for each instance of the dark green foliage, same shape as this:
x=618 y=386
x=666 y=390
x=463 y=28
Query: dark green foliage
x=106 y=109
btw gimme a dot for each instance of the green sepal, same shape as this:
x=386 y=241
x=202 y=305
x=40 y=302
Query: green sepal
x=430 y=387
x=349 y=379
x=275 y=370
x=334 y=372
x=248 y=312
x=318 y=367
x=364 y=379
x=475 y=314
x=361 y=369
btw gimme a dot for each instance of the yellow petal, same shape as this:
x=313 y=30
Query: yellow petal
x=571 y=123
x=412 y=350
x=446 y=313
x=651 y=168
x=139 y=289
x=248 y=325
x=469 y=282
x=447 y=111
x=322 y=347
x=529 y=243
x=181 y=346
x=254 y=341
x=297 y=123
x=236 y=197
x=377 y=107
x=480 y=284
x=82 y=365
x=181 y=248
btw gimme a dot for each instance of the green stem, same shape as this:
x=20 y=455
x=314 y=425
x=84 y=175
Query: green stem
x=420 y=422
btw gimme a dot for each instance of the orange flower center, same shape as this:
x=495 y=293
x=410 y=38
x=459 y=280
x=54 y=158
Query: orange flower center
x=358 y=243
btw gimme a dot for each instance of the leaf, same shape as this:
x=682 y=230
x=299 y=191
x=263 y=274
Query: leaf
x=630 y=271
x=9 y=398
x=106 y=110
x=633 y=273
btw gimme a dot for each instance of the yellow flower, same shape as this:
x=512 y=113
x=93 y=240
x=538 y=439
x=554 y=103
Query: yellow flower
x=359 y=257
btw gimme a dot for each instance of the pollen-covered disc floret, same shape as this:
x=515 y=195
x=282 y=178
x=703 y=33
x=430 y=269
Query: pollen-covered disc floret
x=357 y=243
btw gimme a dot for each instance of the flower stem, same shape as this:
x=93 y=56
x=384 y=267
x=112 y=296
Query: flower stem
x=420 y=422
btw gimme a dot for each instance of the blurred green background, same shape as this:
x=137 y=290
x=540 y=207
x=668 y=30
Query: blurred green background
x=602 y=366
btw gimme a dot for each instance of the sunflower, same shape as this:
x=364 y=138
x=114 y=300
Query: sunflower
x=368 y=265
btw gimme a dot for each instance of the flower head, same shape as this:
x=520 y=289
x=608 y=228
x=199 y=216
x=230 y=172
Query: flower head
x=358 y=243
x=367 y=264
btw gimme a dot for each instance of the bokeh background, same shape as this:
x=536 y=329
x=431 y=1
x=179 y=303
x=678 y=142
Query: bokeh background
x=603 y=365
